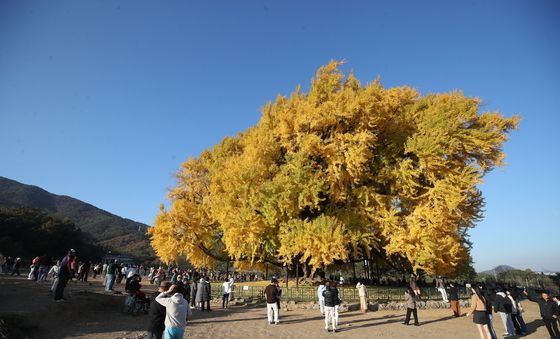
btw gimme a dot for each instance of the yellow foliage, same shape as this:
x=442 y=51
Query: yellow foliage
x=335 y=173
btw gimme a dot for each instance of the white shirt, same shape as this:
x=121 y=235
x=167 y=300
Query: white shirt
x=320 y=291
x=227 y=286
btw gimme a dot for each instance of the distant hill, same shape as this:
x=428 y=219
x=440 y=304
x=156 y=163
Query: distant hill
x=115 y=233
x=499 y=269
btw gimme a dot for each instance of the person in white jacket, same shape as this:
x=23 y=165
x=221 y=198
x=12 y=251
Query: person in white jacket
x=176 y=308
x=363 y=294
x=227 y=287
x=320 y=297
x=53 y=272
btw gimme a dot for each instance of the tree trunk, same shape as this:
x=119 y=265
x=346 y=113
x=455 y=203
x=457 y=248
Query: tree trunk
x=297 y=274
x=266 y=272
x=371 y=267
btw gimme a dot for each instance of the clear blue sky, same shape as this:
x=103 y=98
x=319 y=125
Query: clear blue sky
x=102 y=100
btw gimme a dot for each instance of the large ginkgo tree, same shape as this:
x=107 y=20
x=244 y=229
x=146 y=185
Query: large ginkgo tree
x=340 y=173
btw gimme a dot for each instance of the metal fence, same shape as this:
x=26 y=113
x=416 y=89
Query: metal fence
x=346 y=294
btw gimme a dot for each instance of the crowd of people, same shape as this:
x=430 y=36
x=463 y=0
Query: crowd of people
x=506 y=301
x=180 y=291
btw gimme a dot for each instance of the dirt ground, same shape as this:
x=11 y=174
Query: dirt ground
x=27 y=310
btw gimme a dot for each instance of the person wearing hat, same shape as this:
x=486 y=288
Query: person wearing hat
x=156 y=326
x=549 y=311
x=64 y=274
x=271 y=294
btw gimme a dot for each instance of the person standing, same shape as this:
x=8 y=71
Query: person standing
x=2 y=263
x=16 y=266
x=440 y=285
x=331 y=302
x=110 y=276
x=85 y=270
x=156 y=326
x=194 y=289
x=34 y=273
x=53 y=272
x=43 y=266
x=64 y=274
x=362 y=293
x=411 y=307
x=279 y=295
x=516 y=317
x=203 y=293
x=478 y=310
x=320 y=297
x=454 y=300
x=175 y=313
x=502 y=305
x=549 y=312
x=271 y=294
x=226 y=290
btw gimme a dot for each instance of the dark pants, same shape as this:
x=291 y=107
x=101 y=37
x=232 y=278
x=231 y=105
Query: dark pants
x=414 y=313
x=225 y=300
x=35 y=273
x=202 y=303
x=552 y=327
x=58 y=293
x=519 y=323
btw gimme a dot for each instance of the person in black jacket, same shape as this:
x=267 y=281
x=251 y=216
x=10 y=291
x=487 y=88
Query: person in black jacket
x=549 y=312
x=453 y=296
x=504 y=307
x=271 y=295
x=331 y=302
x=156 y=325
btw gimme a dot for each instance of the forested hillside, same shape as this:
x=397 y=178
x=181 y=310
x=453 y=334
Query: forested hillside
x=103 y=228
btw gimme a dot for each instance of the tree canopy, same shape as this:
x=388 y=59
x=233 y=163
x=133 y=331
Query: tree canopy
x=343 y=172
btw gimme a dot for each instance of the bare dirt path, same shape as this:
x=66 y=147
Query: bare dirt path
x=91 y=313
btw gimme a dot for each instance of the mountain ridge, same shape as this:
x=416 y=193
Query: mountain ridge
x=116 y=233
